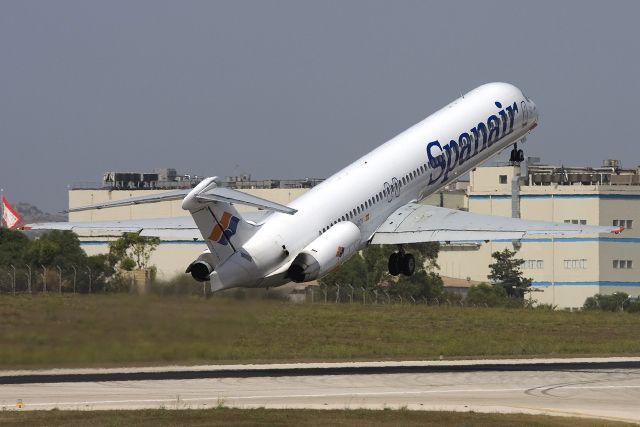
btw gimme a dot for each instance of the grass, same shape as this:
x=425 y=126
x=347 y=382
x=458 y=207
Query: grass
x=286 y=417
x=124 y=330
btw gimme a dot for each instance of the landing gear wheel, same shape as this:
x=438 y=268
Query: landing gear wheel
x=408 y=264
x=516 y=156
x=394 y=264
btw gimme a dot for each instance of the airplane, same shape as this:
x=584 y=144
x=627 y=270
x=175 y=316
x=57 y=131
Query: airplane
x=374 y=200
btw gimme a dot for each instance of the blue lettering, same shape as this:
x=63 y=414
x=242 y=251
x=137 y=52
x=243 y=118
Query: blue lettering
x=476 y=131
x=464 y=142
x=493 y=123
x=511 y=111
x=435 y=161
x=451 y=163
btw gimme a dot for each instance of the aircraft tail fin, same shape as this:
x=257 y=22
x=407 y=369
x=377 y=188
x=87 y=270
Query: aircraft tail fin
x=222 y=227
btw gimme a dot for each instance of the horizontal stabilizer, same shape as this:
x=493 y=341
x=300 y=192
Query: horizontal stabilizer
x=416 y=223
x=209 y=193
x=152 y=198
x=228 y=195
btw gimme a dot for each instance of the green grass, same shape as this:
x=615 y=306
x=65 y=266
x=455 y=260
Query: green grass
x=286 y=417
x=123 y=330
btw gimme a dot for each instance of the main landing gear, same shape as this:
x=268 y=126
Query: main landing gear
x=401 y=262
x=516 y=156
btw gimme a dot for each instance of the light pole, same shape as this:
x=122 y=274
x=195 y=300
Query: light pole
x=29 y=278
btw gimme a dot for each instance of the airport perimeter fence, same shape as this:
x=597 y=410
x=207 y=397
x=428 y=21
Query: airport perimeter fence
x=81 y=279
x=30 y=280
x=347 y=294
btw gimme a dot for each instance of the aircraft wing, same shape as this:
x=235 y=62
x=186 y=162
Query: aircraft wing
x=415 y=223
x=177 y=227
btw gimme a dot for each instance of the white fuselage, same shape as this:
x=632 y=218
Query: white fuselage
x=409 y=167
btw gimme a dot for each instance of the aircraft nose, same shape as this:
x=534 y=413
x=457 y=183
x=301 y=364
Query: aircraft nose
x=534 y=111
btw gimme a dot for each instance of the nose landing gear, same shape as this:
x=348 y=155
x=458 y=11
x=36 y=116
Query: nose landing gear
x=401 y=262
x=516 y=156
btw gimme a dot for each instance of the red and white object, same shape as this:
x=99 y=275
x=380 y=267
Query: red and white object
x=10 y=217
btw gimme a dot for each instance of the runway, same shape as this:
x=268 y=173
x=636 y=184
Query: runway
x=601 y=388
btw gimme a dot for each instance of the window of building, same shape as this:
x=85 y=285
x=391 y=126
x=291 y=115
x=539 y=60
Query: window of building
x=625 y=223
x=575 y=264
x=533 y=264
x=575 y=221
x=503 y=179
x=622 y=263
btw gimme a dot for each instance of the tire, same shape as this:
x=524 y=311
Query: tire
x=394 y=264
x=408 y=265
x=520 y=156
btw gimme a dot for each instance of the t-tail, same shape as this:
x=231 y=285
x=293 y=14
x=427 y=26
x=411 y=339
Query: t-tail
x=223 y=228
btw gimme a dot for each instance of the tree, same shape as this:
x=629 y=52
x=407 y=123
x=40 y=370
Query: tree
x=505 y=272
x=486 y=295
x=132 y=251
x=13 y=246
x=617 y=301
x=56 y=248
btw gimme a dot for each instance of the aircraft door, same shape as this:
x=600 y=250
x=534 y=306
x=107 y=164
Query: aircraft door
x=525 y=113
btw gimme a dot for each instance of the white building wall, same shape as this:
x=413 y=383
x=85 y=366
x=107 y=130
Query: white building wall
x=557 y=283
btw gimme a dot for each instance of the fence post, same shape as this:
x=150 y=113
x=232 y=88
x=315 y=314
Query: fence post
x=364 y=295
x=13 y=281
x=351 y=296
x=29 y=278
x=375 y=293
x=59 y=279
x=89 y=270
x=388 y=296
x=75 y=274
x=337 y=293
x=44 y=279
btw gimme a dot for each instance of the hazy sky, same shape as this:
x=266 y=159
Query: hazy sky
x=293 y=89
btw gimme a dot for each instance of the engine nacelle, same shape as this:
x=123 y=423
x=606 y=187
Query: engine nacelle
x=201 y=268
x=326 y=252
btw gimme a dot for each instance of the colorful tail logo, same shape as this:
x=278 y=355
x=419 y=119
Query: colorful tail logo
x=226 y=228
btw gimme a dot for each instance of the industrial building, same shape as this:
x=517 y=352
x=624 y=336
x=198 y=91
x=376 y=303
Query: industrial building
x=565 y=269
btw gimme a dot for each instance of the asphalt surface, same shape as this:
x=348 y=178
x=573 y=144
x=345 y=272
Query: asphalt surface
x=601 y=388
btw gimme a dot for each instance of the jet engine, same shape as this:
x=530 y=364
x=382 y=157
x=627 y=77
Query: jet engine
x=326 y=252
x=200 y=269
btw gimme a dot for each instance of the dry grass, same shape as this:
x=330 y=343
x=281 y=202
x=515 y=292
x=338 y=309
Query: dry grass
x=123 y=330
x=288 y=417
